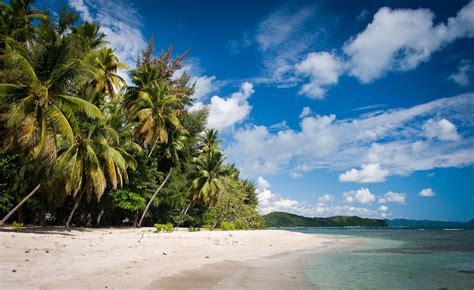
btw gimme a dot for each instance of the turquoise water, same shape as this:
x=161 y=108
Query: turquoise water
x=395 y=259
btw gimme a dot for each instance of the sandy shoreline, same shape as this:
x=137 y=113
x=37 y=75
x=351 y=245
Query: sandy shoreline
x=141 y=258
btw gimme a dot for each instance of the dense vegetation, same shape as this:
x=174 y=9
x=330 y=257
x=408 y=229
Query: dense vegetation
x=81 y=146
x=283 y=219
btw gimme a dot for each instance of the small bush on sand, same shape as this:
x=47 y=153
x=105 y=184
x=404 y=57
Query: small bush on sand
x=17 y=226
x=164 y=228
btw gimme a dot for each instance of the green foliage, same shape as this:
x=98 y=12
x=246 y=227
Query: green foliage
x=17 y=226
x=194 y=229
x=164 y=227
x=232 y=207
x=227 y=226
x=283 y=219
x=127 y=200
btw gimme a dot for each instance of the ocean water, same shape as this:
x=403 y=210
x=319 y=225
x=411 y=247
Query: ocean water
x=395 y=259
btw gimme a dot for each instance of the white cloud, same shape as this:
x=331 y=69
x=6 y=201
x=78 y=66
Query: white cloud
x=224 y=113
x=462 y=76
x=270 y=202
x=306 y=112
x=394 y=197
x=325 y=198
x=443 y=130
x=361 y=195
x=121 y=22
x=427 y=192
x=390 y=138
x=203 y=86
x=413 y=39
x=324 y=70
x=262 y=183
x=370 y=173
x=383 y=208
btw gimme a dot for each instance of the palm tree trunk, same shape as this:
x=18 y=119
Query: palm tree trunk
x=153 y=197
x=185 y=210
x=19 y=205
x=74 y=209
x=99 y=217
x=153 y=148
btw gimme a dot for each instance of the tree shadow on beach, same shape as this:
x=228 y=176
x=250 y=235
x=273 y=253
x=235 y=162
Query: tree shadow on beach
x=52 y=230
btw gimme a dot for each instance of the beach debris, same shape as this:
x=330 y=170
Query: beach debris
x=13 y=270
x=47 y=251
x=207 y=257
x=27 y=260
x=164 y=254
x=27 y=251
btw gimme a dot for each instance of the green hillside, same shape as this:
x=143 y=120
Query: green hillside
x=283 y=219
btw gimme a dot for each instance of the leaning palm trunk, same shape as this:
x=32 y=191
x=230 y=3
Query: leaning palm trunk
x=154 y=195
x=153 y=147
x=19 y=205
x=74 y=209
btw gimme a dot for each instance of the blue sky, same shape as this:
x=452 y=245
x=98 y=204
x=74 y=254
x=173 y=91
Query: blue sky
x=331 y=108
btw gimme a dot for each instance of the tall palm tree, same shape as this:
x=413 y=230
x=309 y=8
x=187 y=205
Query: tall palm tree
x=153 y=107
x=172 y=154
x=106 y=79
x=94 y=160
x=41 y=104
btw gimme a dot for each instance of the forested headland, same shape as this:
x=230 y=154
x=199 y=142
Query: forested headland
x=81 y=146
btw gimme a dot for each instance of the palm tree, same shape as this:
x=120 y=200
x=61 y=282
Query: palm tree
x=94 y=160
x=207 y=185
x=171 y=151
x=209 y=142
x=41 y=105
x=17 y=18
x=106 y=79
x=152 y=105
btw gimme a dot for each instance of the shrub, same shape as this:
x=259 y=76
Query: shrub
x=17 y=226
x=193 y=229
x=164 y=228
x=208 y=227
x=227 y=226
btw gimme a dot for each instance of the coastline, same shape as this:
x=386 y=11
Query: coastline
x=51 y=258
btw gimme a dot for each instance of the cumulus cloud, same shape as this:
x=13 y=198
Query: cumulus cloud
x=323 y=69
x=462 y=76
x=427 y=192
x=369 y=173
x=361 y=195
x=325 y=198
x=394 y=197
x=224 y=113
x=388 y=138
x=305 y=113
x=262 y=183
x=443 y=130
x=413 y=39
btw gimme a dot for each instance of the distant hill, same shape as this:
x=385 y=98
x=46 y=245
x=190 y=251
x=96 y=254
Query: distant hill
x=406 y=223
x=283 y=219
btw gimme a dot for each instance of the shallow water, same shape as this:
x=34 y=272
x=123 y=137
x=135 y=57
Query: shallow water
x=395 y=259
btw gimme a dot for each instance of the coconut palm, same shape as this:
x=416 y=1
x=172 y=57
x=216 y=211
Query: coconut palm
x=206 y=186
x=172 y=155
x=106 y=79
x=153 y=107
x=210 y=142
x=17 y=20
x=41 y=104
x=94 y=160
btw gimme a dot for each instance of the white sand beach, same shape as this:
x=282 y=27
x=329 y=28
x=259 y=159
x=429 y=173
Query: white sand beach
x=52 y=258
